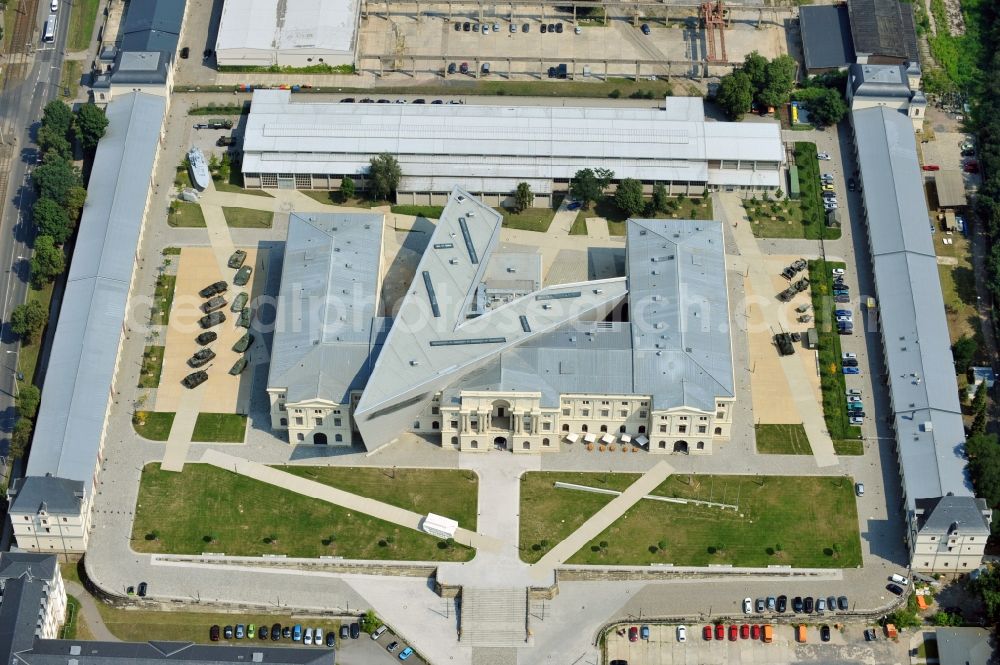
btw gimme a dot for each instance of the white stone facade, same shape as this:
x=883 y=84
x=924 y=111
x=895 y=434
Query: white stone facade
x=41 y=531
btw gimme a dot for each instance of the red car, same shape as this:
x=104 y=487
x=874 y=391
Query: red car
x=755 y=632
x=732 y=633
x=707 y=633
x=720 y=632
x=633 y=634
x=931 y=167
x=745 y=631
x=972 y=167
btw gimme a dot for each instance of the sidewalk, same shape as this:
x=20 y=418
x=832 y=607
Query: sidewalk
x=88 y=610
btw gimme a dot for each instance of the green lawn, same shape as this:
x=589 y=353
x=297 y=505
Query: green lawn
x=429 y=212
x=782 y=440
x=68 y=631
x=82 y=18
x=681 y=208
x=848 y=446
x=205 y=508
x=579 y=227
x=832 y=381
x=27 y=357
x=333 y=198
x=171 y=251
x=797 y=521
x=152 y=364
x=447 y=492
x=153 y=425
x=236 y=189
x=804 y=218
x=69 y=79
x=530 y=219
x=220 y=427
x=184 y=214
x=163 y=300
x=248 y=218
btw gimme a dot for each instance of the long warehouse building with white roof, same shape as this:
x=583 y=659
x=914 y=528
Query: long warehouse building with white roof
x=488 y=150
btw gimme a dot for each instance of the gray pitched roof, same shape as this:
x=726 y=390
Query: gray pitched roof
x=19 y=609
x=164 y=15
x=58 y=496
x=32 y=564
x=85 y=349
x=145 y=67
x=79 y=652
x=884 y=28
x=965 y=646
x=327 y=338
x=880 y=81
x=964 y=514
x=826 y=36
x=924 y=392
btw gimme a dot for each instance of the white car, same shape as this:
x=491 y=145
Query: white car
x=849 y=356
x=827 y=176
x=308 y=637
x=318 y=637
x=747 y=606
x=682 y=634
x=859 y=489
x=855 y=420
x=578 y=30
x=823 y=156
x=854 y=391
x=838 y=271
x=899 y=579
x=853 y=399
x=54 y=7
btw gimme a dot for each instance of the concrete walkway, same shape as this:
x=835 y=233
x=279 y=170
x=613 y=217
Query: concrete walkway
x=602 y=519
x=312 y=489
x=88 y=610
x=179 y=439
x=729 y=208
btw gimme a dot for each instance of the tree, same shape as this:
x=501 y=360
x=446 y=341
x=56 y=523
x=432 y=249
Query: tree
x=523 y=197
x=55 y=178
x=735 y=94
x=827 y=107
x=51 y=220
x=604 y=178
x=370 y=622
x=906 y=617
x=48 y=261
x=946 y=619
x=225 y=168
x=58 y=116
x=28 y=398
x=385 y=175
x=20 y=438
x=27 y=320
x=778 y=81
x=979 y=410
x=661 y=202
x=963 y=351
x=347 y=187
x=988 y=586
x=628 y=197
x=984 y=467
x=755 y=67
x=585 y=187
x=91 y=124
x=75 y=198
x=53 y=140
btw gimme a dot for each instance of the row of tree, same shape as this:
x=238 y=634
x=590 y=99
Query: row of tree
x=759 y=81
x=61 y=196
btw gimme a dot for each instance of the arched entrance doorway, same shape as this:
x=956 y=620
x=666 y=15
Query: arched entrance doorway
x=681 y=447
x=500 y=415
x=500 y=443
x=319 y=439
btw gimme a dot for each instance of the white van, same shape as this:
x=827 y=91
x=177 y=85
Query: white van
x=899 y=579
x=379 y=632
x=54 y=6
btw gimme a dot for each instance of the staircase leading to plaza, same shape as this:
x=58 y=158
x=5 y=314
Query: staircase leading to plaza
x=494 y=617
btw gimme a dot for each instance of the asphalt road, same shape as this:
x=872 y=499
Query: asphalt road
x=21 y=107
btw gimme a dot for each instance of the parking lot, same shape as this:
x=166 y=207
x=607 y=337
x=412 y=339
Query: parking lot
x=846 y=645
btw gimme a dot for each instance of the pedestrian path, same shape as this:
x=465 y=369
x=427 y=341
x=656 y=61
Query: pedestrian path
x=88 y=610
x=604 y=518
x=810 y=411
x=179 y=439
x=361 y=504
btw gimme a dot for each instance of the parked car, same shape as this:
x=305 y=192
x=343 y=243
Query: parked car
x=744 y=632
x=797 y=604
x=185 y=53
x=706 y=633
x=782 y=604
x=899 y=579
x=525 y=28
x=307 y=638
x=733 y=632
x=227 y=632
x=392 y=646
x=276 y=632
x=559 y=28
x=850 y=362
x=747 y=606
x=856 y=420
x=759 y=605
x=969 y=152
x=971 y=167
x=771 y=603
x=645 y=29
x=485 y=69
x=841 y=298
x=464 y=68
x=720 y=632
x=644 y=632
x=552 y=28
x=241 y=631
x=870 y=635
x=355 y=630
x=823 y=156
x=894 y=588
x=466 y=26
x=224 y=141
x=856 y=414
x=842 y=603
x=807 y=604
x=681 y=633
x=496 y=27
x=831 y=603
x=286 y=632
x=345 y=631
x=213 y=289
x=330 y=639
x=213 y=633
x=755 y=632
x=820 y=605
x=405 y=653
x=824 y=633
x=543 y=29
x=458 y=27
x=347 y=100
x=297 y=633
x=931 y=167
x=633 y=634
